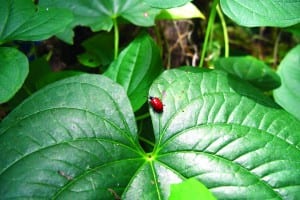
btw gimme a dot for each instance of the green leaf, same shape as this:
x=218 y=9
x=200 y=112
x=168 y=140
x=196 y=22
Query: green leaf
x=99 y=50
x=250 y=69
x=13 y=72
x=136 y=68
x=166 y=3
x=187 y=11
x=190 y=189
x=22 y=20
x=253 y=13
x=288 y=94
x=99 y=14
x=77 y=138
x=226 y=134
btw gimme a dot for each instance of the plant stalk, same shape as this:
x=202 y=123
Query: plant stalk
x=211 y=20
x=225 y=32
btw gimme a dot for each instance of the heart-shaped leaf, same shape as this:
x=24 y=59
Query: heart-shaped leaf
x=250 y=69
x=22 y=20
x=279 y=13
x=288 y=94
x=77 y=139
x=135 y=71
x=13 y=72
x=99 y=14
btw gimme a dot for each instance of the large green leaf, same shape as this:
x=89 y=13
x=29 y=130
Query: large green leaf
x=22 y=20
x=99 y=14
x=288 y=94
x=250 y=69
x=279 y=13
x=136 y=68
x=13 y=72
x=166 y=3
x=77 y=139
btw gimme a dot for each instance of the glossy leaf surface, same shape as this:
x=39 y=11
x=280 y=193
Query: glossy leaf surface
x=14 y=69
x=250 y=69
x=288 y=94
x=22 y=20
x=251 y=13
x=136 y=68
x=77 y=139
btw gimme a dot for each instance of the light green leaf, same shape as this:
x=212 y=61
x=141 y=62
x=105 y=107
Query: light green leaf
x=279 y=13
x=136 y=68
x=22 y=20
x=250 y=69
x=190 y=189
x=288 y=94
x=166 y=3
x=13 y=72
x=187 y=11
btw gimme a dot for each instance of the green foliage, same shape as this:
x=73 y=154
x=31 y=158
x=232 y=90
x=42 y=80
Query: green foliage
x=100 y=15
x=288 y=95
x=280 y=13
x=166 y=3
x=98 y=50
x=13 y=71
x=190 y=189
x=22 y=20
x=84 y=141
x=250 y=69
x=186 y=11
x=135 y=71
x=78 y=137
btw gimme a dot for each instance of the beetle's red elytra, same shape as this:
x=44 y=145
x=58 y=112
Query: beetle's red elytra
x=156 y=104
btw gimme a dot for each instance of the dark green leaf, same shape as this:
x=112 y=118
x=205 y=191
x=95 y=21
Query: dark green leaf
x=136 y=68
x=279 y=13
x=22 y=20
x=99 y=14
x=13 y=72
x=166 y=3
x=190 y=189
x=288 y=94
x=250 y=69
x=99 y=50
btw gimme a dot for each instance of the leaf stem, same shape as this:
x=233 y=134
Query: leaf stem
x=211 y=20
x=146 y=141
x=225 y=32
x=116 y=33
x=143 y=116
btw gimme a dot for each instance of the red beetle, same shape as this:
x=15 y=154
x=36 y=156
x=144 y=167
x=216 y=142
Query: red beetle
x=156 y=104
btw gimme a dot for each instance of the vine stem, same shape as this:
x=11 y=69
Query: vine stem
x=210 y=24
x=225 y=32
x=116 y=42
